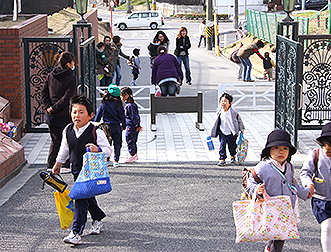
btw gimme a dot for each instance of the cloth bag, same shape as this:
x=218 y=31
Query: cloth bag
x=93 y=179
x=269 y=219
x=242 y=148
x=157 y=91
x=65 y=208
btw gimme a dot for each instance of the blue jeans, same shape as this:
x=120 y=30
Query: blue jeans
x=118 y=75
x=186 y=62
x=168 y=87
x=105 y=81
x=247 y=68
x=231 y=141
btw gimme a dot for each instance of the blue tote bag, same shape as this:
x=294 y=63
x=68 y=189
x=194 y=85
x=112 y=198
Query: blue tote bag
x=93 y=179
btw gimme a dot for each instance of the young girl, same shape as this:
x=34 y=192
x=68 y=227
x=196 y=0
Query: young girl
x=227 y=125
x=135 y=66
x=275 y=158
x=315 y=175
x=133 y=127
x=112 y=112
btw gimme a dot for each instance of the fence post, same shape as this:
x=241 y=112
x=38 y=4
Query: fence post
x=153 y=124
x=267 y=19
x=199 y=124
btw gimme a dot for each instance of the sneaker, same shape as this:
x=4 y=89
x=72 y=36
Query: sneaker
x=221 y=162
x=233 y=160
x=65 y=170
x=49 y=169
x=266 y=249
x=116 y=164
x=189 y=83
x=72 y=238
x=96 y=227
x=131 y=159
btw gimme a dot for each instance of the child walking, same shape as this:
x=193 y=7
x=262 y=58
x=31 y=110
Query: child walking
x=112 y=112
x=133 y=127
x=275 y=159
x=76 y=137
x=268 y=66
x=135 y=66
x=315 y=175
x=227 y=125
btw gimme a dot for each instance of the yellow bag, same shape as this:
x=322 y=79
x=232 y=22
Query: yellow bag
x=65 y=208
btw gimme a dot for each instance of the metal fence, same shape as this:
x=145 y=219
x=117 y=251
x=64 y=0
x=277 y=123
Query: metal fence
x=264 y=25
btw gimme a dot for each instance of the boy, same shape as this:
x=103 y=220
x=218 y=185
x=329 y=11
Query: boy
x=76 y=137
x=101 y=54
x=227 y=125
x=268 y=66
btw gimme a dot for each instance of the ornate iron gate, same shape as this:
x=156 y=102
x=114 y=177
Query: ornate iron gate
x=287 y=82
x=39 y=60
x=315 y=93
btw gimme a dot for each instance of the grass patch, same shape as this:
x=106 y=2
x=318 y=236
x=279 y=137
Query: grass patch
x=134 y=3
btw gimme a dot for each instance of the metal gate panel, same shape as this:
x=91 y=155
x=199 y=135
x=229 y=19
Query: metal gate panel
x=286 y=87
x=315 y=96
x=39 y=61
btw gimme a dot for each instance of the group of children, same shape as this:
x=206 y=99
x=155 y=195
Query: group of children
x=275 y=172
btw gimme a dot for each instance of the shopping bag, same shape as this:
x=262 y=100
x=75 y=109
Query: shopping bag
x=65 y=208
x=157 y=91
x=242 y=148
x=93 y=179
x=269 y=219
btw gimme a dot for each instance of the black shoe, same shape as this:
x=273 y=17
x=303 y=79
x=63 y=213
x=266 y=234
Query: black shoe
x=189 y=83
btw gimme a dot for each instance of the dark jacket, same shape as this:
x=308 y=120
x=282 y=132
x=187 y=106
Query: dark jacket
x=117 y=53
x=152 y=48
x=181 y=46
x=132 y=117
x=112 y=112
x=59 y=87
x=247 y=50
x=267 y=63
x=110 y=52
x=102 y=62
x=166 y=66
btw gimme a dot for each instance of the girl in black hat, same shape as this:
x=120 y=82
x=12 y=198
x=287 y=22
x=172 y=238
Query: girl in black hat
x=315 y=175
x=274 y=167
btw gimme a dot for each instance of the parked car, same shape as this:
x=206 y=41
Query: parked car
x=311 y=4
x=152 y=19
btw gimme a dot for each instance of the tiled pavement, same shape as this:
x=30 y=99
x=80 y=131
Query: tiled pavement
x=177 y=139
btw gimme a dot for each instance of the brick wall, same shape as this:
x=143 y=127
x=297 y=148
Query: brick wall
x=12 y=79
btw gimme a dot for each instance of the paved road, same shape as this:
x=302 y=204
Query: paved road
x=153 y=207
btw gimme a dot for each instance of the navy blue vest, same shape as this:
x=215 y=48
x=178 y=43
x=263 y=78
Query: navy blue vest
x=77 y=147
x=267 y=63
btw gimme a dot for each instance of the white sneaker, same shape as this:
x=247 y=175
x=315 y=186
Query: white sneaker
x=72 y=238
x=65 y=170
x=96 y=226
x=116 y=164
x=266 y=249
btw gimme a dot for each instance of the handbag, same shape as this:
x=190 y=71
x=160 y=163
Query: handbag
x=271 y=218
x=65 y=208
x=242 y=148
x=93 y=179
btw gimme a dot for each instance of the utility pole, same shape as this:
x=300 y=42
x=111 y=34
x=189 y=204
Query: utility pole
x=128 y=6
x=209 y=10
x=235 y=14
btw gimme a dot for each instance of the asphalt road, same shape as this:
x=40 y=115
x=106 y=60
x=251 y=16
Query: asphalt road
x=153 y=207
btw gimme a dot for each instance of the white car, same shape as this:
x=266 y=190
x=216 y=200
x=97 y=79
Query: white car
x=152 y=19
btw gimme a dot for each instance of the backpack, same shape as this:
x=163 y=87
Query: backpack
x=234 y=57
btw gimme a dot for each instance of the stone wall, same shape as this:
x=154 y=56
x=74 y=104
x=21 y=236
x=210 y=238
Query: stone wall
x=12 y=79
x=173 y=9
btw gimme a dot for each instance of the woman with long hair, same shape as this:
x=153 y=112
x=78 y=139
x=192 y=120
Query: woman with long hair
x=182 y=45
x=162 y=37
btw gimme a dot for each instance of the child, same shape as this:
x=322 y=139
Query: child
x=273 y=58
x=152 y=48
x=202 y=32
x=268 y=66
x=135 y=66
x=275 y=158
x=315 y=175
x=101 y=54
x=227 y=125
x=76 y=137
x=112 y=112
x=133 y=127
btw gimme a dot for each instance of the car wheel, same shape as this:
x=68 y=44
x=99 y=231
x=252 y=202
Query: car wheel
x=153 y=26
x=122 y=26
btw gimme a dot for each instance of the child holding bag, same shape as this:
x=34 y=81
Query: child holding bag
x=315 y=175
x=275 y=160
x=132 y=124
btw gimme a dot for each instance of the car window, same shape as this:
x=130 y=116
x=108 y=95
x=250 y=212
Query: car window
x=134 y=15
x=145 y=15
x=154 y=14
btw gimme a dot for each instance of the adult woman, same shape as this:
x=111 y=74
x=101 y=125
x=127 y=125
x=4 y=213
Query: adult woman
x=166 y=72
x=162 y=37
x=182 y=45
x=56 y=92
x=109 y=51
x=244 y=53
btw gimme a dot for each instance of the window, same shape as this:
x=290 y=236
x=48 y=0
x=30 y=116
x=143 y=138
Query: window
x=145 y=15
x=154 y=14
x=135 y=15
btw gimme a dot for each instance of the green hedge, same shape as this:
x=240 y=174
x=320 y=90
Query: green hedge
x=199 y=16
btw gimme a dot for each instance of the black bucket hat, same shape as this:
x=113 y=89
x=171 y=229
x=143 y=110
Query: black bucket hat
x=326 y=132
x=279 y=137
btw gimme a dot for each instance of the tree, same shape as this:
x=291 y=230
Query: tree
x=128 y=6
x=148 y=6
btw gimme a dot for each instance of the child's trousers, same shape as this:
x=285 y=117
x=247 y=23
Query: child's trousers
x=131 y=137
x=116 y=134
x=276 y=245
x=231 y=141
